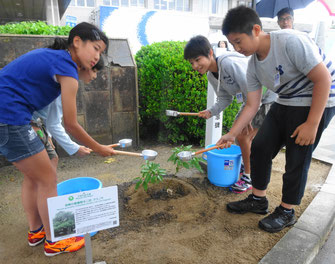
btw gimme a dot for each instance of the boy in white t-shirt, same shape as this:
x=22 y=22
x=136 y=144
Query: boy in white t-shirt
x=289 y=63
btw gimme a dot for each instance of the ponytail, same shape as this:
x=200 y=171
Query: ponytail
x=59 y=44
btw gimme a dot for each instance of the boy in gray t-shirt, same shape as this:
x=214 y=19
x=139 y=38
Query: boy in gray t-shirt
x=227 y=76
x=289 y=63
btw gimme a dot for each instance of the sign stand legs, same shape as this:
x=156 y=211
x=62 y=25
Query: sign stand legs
x=88 y=248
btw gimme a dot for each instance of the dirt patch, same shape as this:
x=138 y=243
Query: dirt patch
x=180 y=221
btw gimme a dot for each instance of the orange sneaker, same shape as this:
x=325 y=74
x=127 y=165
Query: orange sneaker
x=36 y=238
x=63 y=246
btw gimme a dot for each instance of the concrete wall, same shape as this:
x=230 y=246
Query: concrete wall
x=108 y=106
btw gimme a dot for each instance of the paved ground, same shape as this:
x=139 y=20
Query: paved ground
x=326 y=149
x=326 y=152
x=312 y=239
x=327 y=252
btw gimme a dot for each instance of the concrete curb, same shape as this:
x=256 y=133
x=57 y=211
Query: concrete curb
x=303 y=241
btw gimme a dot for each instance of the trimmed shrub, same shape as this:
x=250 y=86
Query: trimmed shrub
x=168 y=82
x=34 y=28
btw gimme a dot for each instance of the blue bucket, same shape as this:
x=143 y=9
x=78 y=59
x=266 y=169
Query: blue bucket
x=78 y=185
x=223 y=165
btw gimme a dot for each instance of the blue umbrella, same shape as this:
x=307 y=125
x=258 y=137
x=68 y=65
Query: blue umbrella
x=270 y=8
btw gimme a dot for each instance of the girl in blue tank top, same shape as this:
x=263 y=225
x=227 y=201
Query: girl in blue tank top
x=27 y=84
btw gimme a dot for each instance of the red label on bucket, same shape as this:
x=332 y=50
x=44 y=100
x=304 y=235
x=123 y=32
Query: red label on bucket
x=228 y=164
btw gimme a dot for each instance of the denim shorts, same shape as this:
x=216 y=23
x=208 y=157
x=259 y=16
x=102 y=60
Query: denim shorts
x=19 y=142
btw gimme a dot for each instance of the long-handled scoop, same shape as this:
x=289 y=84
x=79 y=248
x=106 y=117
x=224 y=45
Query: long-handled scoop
x=176 y=113
x=147 y=154
x=188 y=155
x=123 y=143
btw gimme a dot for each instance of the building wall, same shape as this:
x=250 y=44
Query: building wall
x=197 y=7
x=146 y=25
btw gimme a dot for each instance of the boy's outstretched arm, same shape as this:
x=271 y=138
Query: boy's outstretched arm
x=247 y=114
x=305 y=133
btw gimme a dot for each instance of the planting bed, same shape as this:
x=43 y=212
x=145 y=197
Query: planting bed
x=180 y=221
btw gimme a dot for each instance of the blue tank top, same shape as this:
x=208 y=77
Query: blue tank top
x=28 y=83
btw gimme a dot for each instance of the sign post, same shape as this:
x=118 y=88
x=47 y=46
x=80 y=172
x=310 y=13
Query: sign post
x=88 y=249
x=213 y=124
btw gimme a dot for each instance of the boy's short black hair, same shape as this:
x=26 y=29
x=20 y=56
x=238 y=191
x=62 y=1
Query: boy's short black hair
x=240 y=19
x=285 y=10
x=100 y=64
x=197 y=46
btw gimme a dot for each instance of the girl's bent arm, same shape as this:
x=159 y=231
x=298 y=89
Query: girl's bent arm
x=69 y=87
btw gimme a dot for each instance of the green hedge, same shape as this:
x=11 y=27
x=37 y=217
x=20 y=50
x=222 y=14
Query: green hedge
x=167 y=81
x=34 y=28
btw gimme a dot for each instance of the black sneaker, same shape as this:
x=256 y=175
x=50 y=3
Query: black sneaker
x=249 y=205
x=277 y=221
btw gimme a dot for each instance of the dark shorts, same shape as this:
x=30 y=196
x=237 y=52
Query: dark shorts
x=19 y=142
x=44 y=137
x=258 y=119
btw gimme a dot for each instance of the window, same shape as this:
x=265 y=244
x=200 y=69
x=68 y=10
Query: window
x=90 y=3
x=172 y=4
x=179 y=5
x=138 y=3
x=187 y=6
x=124 y=3
x=163 y=5
x=214 y=6
x=80 y=2
x=245 y=2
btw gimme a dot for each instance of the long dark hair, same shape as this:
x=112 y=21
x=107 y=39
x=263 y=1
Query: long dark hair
x=85 y=31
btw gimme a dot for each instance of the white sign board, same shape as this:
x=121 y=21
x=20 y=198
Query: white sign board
x=83 y=212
